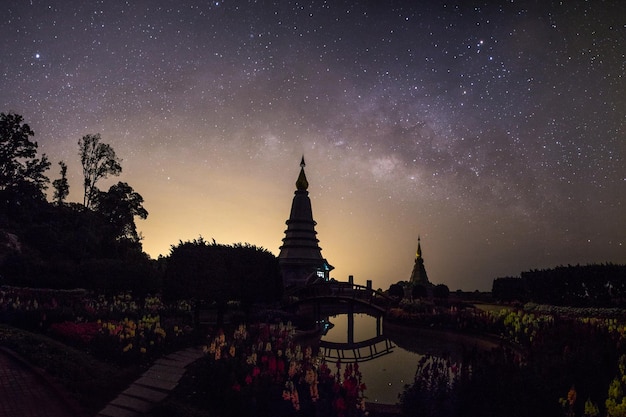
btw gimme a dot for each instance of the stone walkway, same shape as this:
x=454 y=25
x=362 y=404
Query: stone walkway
x=153 y=386
x=25 y=391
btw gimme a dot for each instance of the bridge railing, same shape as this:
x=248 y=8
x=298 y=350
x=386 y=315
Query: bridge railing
x=341 y=291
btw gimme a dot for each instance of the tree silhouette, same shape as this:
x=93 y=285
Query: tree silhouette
x=215 y=272
x=396 y=290
x=119 y=206
x=61 y=185
x=18 y=162
x=441 y=291
x=98 y=161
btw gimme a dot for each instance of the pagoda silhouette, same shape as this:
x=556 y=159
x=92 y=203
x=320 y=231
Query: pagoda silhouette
x=418 y=275
x=300 y=257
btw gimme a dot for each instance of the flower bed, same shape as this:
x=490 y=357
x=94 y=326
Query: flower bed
x=119 y=327
x=75 y=333
x=261 y=368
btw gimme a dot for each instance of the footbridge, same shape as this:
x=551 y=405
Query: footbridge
x=337 y=292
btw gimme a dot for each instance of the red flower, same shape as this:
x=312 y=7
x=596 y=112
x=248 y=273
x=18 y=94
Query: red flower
x=236 y=387
x=340 y=405
x=350 y=386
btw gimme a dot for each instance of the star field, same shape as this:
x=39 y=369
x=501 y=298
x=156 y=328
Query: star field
x=494 y=130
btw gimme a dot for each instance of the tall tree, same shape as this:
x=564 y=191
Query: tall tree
x=61 y=185
x=18 y=162
x=119 y=206
x=99 y=161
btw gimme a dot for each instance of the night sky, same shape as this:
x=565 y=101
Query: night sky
x=495 y=131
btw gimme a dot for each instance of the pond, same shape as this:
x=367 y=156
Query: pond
x=388 y=359
x=386 y=374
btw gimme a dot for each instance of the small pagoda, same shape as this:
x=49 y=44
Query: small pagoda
x=419 y=276
x=300 y=257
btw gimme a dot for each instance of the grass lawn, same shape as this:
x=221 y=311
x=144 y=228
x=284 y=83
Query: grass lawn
x=91 y=382
x=491 y=307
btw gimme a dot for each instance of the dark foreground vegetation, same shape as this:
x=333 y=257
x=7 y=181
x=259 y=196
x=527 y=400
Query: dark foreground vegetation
x=549 y=362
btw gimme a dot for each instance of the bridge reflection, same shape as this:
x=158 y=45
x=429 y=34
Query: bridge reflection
x=353 y=349
x=357 y=352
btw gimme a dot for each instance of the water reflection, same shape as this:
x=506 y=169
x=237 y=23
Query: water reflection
x=387 y=359
x=386 y=368
x=351 y=327
x=362 y=343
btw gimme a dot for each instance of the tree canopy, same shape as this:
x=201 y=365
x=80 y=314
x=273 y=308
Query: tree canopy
x=396 y=290
x=61 y=185
x=98 y=161
x=441 y=291
x=216 y=272
x=18 y=155
x=120 y=205
x=572 y=285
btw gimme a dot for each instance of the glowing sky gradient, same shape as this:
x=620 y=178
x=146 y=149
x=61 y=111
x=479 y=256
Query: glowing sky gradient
x=495 y=132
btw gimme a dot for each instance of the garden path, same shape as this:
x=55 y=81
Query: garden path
x=27 y=392
x=153 y=386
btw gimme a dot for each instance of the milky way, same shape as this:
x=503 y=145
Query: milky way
x=495 y=131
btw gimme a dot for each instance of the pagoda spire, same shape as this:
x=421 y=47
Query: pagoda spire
x=300 y=257
x=419 y=248
x=302 y=183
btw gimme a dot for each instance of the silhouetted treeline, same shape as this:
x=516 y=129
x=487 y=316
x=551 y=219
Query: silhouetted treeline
x=44 y=245
x=67 y=246
x=216 y=272
x=595 y=285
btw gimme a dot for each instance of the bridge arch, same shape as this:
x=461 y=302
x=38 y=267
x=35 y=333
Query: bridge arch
x=335 y=291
